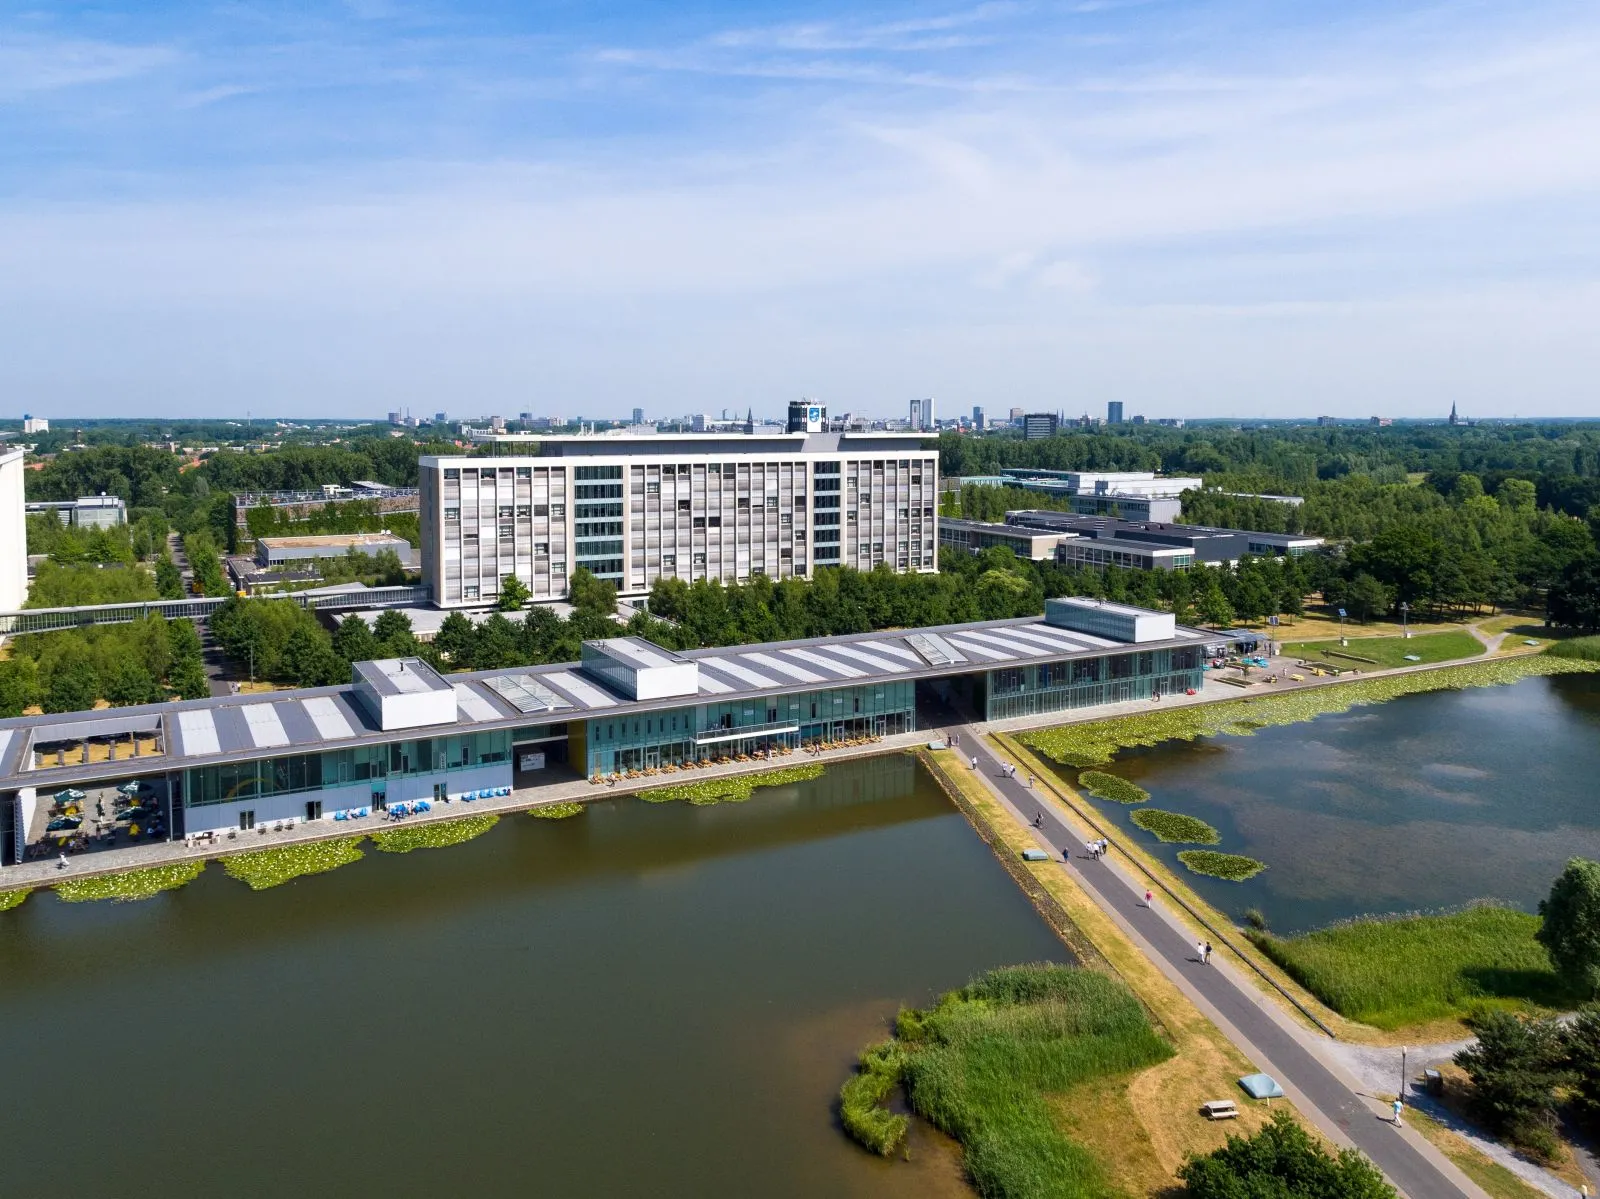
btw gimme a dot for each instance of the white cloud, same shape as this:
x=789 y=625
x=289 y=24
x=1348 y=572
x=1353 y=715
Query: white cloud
x=31 y=63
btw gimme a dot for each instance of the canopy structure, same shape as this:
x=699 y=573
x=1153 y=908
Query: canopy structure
x=1261 y=1086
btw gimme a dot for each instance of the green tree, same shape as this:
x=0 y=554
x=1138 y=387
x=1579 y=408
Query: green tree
x=592 y=596
x=1212 y=605
x=393 y=632
x=169 y=581
x=1366 y=599
x=1574 y=599
x=1516 y=1067
x=353 y=640
x=310 y=661
x=1570 y=931
x=130 y=683
x=19 y=685
x=74 y=686
x=515 y=594
x=456 y=637
x=1282 y=1162
x=1583 y=1059
x=188 y=679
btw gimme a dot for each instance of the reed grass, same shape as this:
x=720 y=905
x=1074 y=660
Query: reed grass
x=735 y=788
x=862 y=1099
x=1231 y=867
x=1582 y=649
x=11 y=899
x=556 y=811
x=1097 y=742
x=263 y=868
x=129 y=885
x=1113 y=787
x=1394 y=971
x=435 y=834
x=980 y=1064
x=1176 y=828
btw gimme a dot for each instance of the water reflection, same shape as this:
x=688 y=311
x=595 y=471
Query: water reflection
x=653 y=999
x=1427 y=801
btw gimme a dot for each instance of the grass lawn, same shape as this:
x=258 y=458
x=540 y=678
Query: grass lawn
x=1389 y=651
x=1396 y=972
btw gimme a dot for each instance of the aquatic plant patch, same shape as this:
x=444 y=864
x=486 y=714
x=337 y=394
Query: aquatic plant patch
x=733 y=789
x=263 y=868
x=436 y=834
x=11 y=899
x=557 y=811
x=1097 y=742
x=1233 y=867
x=980 y=1064
x=1400 y=970
x=1113 y=787
x=1175 y=827
x=129 y=885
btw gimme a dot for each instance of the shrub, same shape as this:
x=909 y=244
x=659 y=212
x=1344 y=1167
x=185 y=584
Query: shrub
x=1175 y=827
x=1283 y=1160
x=1516 y=1067
x=1583 y=1059
x=556 y=811
x=265 y=868
x=1234 y=867
x=1110 y=786
x=130 y=885
x=435 y=834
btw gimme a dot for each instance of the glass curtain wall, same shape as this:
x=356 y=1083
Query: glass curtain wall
x=1088 y=682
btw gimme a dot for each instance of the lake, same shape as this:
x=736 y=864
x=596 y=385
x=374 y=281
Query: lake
x=1427 y=801
x=644 y=999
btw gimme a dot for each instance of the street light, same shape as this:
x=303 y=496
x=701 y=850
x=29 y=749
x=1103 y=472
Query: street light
x=1404 y=608
x=1342 y=641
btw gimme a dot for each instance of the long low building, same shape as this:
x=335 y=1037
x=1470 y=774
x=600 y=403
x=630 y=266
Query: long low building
x=273 y=551
x=975 y=536
x=399 y=731
x=1204 y=544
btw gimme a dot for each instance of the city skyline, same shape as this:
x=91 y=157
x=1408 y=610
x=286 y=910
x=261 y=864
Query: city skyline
x=1197 y=210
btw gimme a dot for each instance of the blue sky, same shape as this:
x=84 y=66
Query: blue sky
x=1225 y=208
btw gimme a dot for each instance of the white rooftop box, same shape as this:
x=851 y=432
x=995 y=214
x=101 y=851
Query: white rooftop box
x=639 y=670
x=1121 y=622
x=404 y=693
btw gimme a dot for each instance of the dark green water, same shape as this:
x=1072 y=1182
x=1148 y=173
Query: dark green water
x=642 y=1000
x=1428 y=801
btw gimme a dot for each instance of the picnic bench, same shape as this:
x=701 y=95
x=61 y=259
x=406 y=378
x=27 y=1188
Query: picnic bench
x=1219 y=1109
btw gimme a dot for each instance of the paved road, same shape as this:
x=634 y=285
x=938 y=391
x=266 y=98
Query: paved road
x=1410 y=1163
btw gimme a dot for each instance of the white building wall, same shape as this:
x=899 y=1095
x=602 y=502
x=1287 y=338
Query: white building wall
x=221 y=817
x=724 y=515
x=13 y=534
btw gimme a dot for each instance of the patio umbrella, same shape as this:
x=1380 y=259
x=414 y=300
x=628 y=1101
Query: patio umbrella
x=129 y=788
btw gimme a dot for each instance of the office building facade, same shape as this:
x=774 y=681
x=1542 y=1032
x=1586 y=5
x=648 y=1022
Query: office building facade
x=632 y=510
x=1113 y=412
x=13 y=533
x=1036 y=426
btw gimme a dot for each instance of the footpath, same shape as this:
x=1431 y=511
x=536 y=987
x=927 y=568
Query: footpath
x=1312 y=1078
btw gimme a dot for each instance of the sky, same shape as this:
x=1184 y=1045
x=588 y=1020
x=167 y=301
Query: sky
x=1199 y=209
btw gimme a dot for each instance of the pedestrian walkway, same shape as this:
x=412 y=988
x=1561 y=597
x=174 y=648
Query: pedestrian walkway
x=1318 y=1087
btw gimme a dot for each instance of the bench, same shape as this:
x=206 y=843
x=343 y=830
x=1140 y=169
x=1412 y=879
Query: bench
x=1219 y=1109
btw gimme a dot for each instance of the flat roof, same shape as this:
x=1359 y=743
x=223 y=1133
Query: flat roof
x=250 y=727
x=989 y=526
x=324 y=540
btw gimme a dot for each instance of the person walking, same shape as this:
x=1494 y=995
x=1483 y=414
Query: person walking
x=1149 y=898
x=1207 y=957
x=974 y=763
x=1066 y=854
x=62 y=863
x=1038 y=820
x=1200 y=951
x=1398 y=1106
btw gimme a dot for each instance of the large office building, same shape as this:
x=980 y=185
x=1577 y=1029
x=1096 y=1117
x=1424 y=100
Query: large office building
x=1039 y=426
x=632 y=510
x=400 y=732
x=1149 y=545
x=13 y=532
x=1130 y=495
x=975 y=536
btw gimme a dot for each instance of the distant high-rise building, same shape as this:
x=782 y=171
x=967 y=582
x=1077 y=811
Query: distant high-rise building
x=497 y=423
x=1113 y=412
x=977 y=417
x=397 y=418
x=1138 y=420
x=35 y=424
x=1016 y=415
x=916 y=414
x=1036 y=426
x=807 y=416
x=638 y=416
x=439 y=418
x=928 y=423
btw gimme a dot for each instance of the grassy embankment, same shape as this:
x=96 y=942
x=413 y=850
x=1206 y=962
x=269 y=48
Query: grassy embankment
x=1398 y=972
x=1146 y=1126
x=1141 y=1126
x=1375 y=652
x=983 y=1063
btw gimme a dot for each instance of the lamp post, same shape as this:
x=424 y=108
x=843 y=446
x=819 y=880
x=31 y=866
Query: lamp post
x=1405 y=631
x=1402 y=1091
x=1342 y=641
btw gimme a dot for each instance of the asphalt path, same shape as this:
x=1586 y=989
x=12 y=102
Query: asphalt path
x=1412 y=1165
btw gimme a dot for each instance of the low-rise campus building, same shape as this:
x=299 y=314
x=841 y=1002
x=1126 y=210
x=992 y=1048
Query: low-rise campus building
x=401 y=732
x=275 y=551
x=85 y=512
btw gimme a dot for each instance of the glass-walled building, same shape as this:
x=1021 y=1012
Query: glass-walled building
x=1088 y=682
